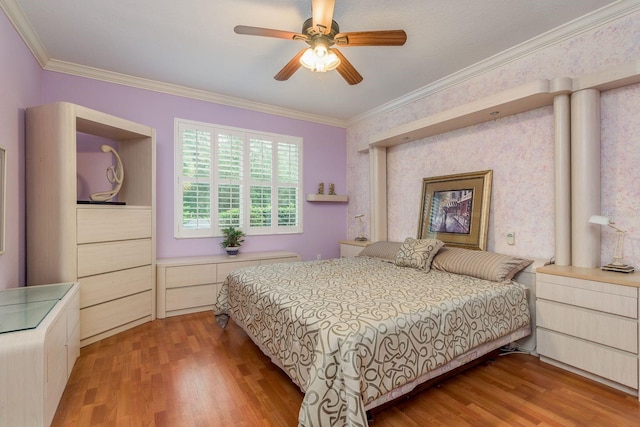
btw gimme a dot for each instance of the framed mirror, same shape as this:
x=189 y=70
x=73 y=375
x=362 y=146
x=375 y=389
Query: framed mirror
x=455 y=209
x=3 y=195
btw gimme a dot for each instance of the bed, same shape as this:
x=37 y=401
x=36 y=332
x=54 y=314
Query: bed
x=357 y=333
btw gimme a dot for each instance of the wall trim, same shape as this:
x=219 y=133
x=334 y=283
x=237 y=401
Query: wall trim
x=183 y=91
x=599 y=17
x=571 y=29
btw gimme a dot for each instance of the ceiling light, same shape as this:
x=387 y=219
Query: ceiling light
x=319 y=59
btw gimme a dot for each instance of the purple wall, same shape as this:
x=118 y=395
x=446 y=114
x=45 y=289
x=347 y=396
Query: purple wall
x=324 y=160
x=20 y=82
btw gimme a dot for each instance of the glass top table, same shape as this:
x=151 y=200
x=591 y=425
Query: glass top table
x=25 y=307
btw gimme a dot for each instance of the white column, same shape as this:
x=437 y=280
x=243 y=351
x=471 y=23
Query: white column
x=585 y=177
x=378 y=193
x=562 y=182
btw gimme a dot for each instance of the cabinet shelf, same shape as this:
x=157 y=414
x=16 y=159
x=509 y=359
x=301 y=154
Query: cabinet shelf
x=336 y=198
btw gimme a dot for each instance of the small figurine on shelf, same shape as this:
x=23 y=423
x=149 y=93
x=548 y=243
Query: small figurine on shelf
x=115 y=175
x=332 y=189
x=321 y=188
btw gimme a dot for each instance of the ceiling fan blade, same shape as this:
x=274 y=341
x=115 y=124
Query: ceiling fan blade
x=322 y=15
x=267 y=32
x=372 y=38
x=291 y=67
x=346 y=70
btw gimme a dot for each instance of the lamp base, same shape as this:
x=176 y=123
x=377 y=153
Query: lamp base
x=619 y=268
x=360 y=239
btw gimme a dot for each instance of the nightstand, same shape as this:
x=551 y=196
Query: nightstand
x=587 y=323
x=351 y=248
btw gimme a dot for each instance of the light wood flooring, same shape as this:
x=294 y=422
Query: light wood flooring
x=185 y=371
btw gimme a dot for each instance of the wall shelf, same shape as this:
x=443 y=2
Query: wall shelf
x=338 y=198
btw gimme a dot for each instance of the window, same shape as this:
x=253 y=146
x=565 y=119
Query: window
x=236 y=177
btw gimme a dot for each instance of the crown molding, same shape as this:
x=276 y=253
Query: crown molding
x=22 y=25
x=183 y=91
x=25 y=29
x=585 y=23
x=571 y=29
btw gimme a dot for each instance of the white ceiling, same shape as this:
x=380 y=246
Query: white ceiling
x=191 y=44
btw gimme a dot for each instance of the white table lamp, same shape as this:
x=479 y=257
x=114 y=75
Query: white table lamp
x=617 y=264
x=360 y=237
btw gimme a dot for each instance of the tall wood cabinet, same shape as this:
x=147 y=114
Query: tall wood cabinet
x=108 y=249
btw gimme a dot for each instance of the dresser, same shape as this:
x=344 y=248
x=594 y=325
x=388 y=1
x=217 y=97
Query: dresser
x=587 y=322
x=109 y=248
x=191 y=284
x=39 y=344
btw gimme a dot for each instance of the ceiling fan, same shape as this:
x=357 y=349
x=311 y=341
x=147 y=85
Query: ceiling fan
x=321 y=32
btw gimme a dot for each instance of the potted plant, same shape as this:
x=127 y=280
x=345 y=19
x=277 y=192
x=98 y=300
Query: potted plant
x=233 y=238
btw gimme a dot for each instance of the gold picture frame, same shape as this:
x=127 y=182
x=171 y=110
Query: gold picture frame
x=455 y=209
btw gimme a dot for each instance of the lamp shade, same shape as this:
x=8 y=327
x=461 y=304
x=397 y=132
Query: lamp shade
x=599 y=219
x=319 y=59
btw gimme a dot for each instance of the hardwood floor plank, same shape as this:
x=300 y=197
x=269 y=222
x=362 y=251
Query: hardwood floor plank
x=185 y=371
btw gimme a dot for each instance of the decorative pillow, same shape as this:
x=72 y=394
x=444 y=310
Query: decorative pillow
x=418 y=253
x=481 y=264
x=385 y=251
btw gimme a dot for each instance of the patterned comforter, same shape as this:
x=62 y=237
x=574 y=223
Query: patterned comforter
x=350 y=330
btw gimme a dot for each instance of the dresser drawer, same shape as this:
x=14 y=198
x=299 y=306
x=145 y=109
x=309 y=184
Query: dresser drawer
x=192 y=296
x=349 y=251
x=605 y=362
x=608 y=298
x=102 y=317
x=56 y=346
x=227 y=267
x=588 y=324
x=97 y=258
x=117 y=284
x=188 y=275
x=111 y=224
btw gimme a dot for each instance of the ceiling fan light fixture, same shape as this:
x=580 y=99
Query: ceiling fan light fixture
x=319 y=59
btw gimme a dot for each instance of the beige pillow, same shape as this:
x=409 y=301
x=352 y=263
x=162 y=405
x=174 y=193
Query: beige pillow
x=418 y=253
x=386 y=251
x=481 y=264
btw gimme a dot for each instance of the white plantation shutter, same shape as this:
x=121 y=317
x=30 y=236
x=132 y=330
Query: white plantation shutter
x=194 y=181
x=234 y=177
x=288 y=179
x=229 y=183
x=260 y=189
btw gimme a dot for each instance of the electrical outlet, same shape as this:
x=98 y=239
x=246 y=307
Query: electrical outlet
x=319 y=256
x=511 y=238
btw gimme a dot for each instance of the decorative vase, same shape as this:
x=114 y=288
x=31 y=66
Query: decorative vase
x=232 y=250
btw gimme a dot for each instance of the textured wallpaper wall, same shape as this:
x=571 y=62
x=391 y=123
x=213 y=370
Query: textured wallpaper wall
x=519 y=148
